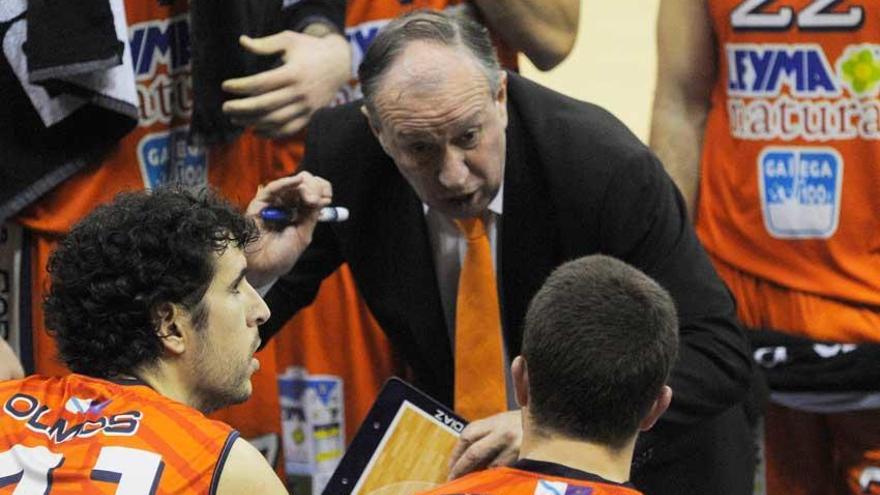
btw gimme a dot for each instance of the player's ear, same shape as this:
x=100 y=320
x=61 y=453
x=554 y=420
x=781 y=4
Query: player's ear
x=660 y=405
x=520 y=373
x=167 y=319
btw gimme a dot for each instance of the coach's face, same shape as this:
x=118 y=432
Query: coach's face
x=438 y=119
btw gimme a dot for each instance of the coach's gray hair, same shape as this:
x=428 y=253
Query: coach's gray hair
x=453 y=30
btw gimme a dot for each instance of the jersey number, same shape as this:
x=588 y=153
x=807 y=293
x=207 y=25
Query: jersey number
x=136 y=471
x=751 y=15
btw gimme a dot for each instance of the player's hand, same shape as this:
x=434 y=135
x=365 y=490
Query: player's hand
x=489 y=442
x=10 y=366
x=277 y=250
x=279 y=102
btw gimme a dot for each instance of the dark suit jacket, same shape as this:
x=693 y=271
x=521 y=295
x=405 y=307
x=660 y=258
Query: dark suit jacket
x=576 y=182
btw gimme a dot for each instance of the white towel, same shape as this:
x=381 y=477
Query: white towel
x=113 y=89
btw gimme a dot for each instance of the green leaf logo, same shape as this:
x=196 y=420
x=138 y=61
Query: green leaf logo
x=861 y=70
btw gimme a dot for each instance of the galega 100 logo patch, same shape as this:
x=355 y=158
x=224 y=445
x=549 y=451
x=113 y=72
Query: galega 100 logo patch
x=166 y=158
x=800 y=191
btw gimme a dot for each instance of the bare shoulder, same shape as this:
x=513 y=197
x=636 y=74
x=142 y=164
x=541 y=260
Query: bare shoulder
x=246 y=471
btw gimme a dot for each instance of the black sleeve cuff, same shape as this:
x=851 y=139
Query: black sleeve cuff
x=298 y=15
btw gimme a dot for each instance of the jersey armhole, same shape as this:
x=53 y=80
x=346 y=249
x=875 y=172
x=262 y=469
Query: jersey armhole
x=221 y=461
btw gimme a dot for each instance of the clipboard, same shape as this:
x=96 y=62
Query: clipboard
x=403 y=445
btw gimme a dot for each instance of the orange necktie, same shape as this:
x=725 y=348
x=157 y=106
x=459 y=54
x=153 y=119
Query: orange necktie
x=479 y=361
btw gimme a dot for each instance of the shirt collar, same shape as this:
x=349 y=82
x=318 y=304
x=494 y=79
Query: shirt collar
x=559 y=470
x=496 y=206
x=497 y=203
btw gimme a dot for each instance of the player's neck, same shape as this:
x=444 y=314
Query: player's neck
x=611 y=464
x=165 y=379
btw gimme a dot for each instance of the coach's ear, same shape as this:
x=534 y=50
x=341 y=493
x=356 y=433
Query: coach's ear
x=660 y=405
x=166 y=319
x=375 y=128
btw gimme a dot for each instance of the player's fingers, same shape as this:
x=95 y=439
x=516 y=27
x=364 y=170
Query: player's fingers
x=276 y=120
x=267 y=45
x=262 y=103
x=259 y=83
x=292 y=127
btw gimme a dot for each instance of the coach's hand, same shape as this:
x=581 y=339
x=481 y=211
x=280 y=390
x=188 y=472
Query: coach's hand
x=277 y=250
x=489 y=442
x=10 y=366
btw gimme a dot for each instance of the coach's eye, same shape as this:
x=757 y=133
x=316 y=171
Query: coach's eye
x=469 y=138
x=419 y=148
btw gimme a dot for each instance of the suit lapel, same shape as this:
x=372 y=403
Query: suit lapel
x=412 y=267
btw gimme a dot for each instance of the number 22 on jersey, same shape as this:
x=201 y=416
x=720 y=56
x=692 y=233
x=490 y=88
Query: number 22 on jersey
x=816 y=15
x=135 y=471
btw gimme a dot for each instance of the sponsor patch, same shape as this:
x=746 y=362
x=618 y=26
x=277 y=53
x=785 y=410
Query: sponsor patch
x=165 y=157
x=859 y=68
x=77 y=405
x=800 y=191
x=161 y=56
x=312 y=425
x=779 y=91
x=545 y=487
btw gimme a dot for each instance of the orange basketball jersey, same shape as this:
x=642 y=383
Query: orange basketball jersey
x=513 y=481
x=84 y=435
x=790 y=174
x=156 y=151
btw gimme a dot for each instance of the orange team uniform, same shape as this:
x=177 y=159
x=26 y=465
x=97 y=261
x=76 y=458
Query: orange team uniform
x=788 y=207
x=79 y=434
x=528 y=477
x=154 y=153
x=336 y=335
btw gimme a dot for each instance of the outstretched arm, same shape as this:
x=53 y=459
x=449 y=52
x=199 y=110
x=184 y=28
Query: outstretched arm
x=686 y=69
x=544 y=30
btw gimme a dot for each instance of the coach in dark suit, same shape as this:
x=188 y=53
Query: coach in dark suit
x=440 y=130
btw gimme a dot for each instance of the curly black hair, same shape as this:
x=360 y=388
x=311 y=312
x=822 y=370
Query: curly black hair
x=124 y=260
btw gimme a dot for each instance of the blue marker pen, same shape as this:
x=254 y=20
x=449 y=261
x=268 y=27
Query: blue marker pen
x=287 y=216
